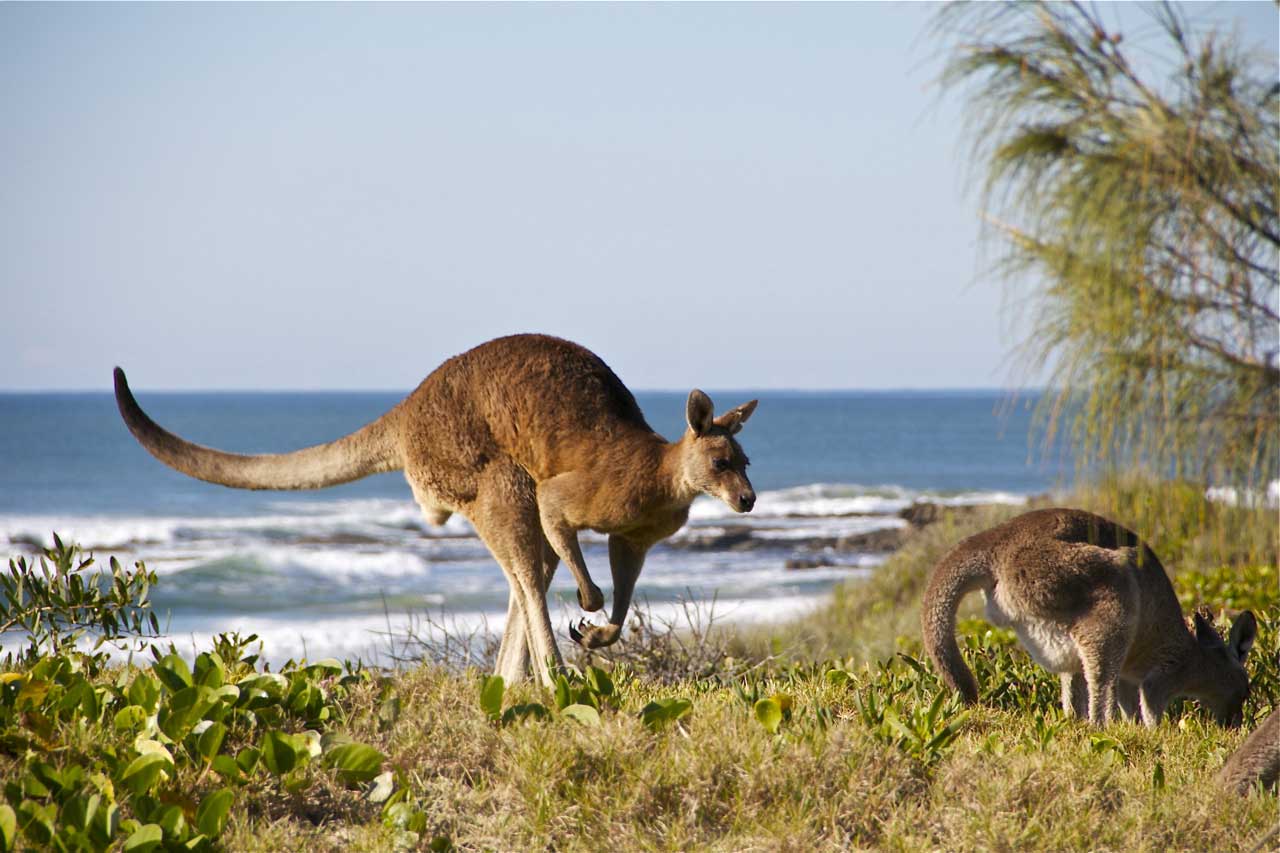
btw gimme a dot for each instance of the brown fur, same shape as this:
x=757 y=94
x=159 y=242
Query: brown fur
x=1257 y=759
x=1091 y=602
x=532 y=439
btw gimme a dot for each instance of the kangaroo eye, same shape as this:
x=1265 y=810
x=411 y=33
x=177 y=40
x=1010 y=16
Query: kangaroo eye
x=720 y=464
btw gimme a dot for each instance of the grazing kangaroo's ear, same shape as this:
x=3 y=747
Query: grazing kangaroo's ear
x=700 y=412
x=1205 y=633
x=733 y=419
x=1244 y=630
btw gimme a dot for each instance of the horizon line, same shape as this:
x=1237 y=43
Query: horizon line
x=961 y=389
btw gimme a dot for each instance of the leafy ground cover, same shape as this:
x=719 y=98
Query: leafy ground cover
x=829 y=734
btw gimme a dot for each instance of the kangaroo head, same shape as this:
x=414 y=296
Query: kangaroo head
x=1223 y=684
x=712 y=460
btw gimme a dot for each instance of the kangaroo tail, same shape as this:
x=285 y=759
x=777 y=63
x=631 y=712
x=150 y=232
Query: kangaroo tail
x=958 y=573
x=369 y=450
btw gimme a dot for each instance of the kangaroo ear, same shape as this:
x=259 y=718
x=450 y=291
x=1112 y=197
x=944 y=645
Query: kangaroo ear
x=700 y=412
x=733 y=419
x=1244 y=630
x=1206 y=635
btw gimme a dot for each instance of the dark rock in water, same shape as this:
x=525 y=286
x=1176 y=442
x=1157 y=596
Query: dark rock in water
x=924 y=513
x=731 y=539
x=33 y=543
x=338 y=539
x=797 y=563
x=885 y=539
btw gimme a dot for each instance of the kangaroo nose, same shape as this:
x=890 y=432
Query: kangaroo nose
x=746 y=501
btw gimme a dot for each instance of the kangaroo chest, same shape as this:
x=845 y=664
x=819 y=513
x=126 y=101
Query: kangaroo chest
x=1048 y=642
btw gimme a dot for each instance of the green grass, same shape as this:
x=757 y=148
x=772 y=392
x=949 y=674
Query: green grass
x=843 y=739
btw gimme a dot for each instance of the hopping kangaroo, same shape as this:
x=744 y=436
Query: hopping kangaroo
x=532 y=439
x=1090 y=601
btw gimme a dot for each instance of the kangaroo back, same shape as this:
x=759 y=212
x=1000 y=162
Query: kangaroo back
x=960 y=572
x=369 y=450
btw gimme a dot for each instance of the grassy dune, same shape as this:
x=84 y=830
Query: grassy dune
x=827 y=734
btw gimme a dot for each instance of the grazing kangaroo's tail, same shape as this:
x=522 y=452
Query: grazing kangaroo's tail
x=956 y=575
x=369 y=450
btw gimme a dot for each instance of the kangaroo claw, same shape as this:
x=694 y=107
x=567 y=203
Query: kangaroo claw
x=594 y=636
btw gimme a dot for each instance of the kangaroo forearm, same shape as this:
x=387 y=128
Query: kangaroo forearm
x=563 y=538
x=625 y=562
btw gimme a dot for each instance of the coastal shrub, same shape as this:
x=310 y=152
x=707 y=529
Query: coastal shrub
x=99 y=757
x=60 y=597
x=155 y=758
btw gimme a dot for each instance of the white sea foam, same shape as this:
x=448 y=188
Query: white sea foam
x=375 y=519
x=310 y=577
x=835 y=499
x=1232 y=497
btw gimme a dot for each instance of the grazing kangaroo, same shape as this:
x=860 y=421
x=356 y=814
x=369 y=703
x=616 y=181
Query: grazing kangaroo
x=531 y=438
x=1257 y=759
x=1090 y=601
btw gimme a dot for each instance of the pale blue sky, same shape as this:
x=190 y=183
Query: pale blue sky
x=333 y=196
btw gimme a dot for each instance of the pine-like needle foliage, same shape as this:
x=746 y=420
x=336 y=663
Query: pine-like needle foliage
x=1135 y=183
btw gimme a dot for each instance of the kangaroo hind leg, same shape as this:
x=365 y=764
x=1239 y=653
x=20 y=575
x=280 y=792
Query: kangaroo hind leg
x=1103 y=636
x=505 y=515
x=513 y=653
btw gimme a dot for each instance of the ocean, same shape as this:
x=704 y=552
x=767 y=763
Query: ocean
x=329 y=573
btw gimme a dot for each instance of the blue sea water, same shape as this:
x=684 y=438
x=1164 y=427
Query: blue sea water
x=324 y=570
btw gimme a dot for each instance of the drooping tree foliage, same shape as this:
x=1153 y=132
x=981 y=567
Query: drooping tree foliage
x=1131 y=186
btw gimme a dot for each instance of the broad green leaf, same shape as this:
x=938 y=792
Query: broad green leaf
x=660 y=712
x=130 y=717
x=838 y=677
x=310 y=741
x=599 y=681
x=38 y=821
x=226 y=767
x=282 y=752
x=8 y=828
x=174 y=823
x=78 y=811
x=355 y=762
x=144 y=771
x=273 y=684
x=146 y=745
x=227 y=693
x=563 y=692
x=324 y=667
x=769 y=713
x=248 y=758
x=584 y=714
x=173 y=672
x=186 y=708
x=210 y=742
x=144 y=692
x=105 y=824
x=491 y=690
x=144 y=839
x=211 y=816
x=210 y=671
x=523 y=711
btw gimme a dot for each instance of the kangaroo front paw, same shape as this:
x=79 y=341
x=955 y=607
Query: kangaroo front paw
x=593 y=601
x=594 y=636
